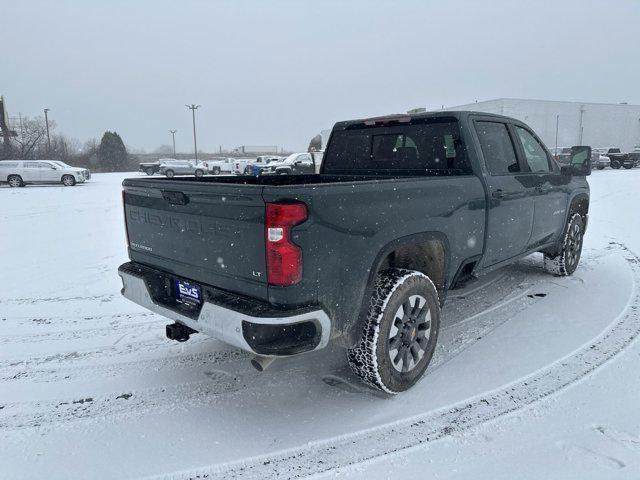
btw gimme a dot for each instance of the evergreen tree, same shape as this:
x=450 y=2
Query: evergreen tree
x=112 y=154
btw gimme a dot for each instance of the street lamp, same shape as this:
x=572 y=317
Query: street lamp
x=173 y=134
x=46 y=121
x=193 y=107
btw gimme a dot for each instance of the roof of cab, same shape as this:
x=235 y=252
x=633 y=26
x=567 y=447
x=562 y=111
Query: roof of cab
x=401 y=118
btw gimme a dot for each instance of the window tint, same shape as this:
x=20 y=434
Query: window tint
x=497 y=149
x=31 y=164
x=534 y=152
x=8 y=164
x=432 y=146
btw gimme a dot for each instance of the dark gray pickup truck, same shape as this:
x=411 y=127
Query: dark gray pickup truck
x=404 y=208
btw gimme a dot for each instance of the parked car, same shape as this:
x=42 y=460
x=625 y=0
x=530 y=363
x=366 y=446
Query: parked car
x=599 y=160
x=619 y=159
x=405 y=207
x=150 y=167
x=18 y=173
x=218 y=166
x=254 y=168
x=294 y=164
x=171 y=168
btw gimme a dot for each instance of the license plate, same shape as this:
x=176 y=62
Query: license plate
x=188 y=292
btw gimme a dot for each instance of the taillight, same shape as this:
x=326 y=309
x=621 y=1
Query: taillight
x=284 y=258
x=124 y=211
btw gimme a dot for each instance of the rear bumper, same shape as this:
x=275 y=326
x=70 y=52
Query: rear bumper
x=244 y=323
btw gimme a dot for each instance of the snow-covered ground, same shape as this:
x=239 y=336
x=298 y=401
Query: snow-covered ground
x=534 y=377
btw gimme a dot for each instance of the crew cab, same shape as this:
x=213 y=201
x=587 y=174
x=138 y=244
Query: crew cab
x=18 y=173
x=362 y=255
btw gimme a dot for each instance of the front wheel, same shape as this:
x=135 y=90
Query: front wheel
x=628 y=166
x=68 y=180
x=149 y=171
x=400 y=332
x=615 y=164
x=600 y=167
x=566 y=260
x=199 y=173
x=215 y=170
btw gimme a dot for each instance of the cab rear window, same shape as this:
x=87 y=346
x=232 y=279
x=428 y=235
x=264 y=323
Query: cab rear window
x=430 y=147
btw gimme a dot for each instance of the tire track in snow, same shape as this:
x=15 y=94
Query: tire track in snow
x=322 y=456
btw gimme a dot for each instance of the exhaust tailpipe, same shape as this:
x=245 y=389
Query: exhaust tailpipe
x=261 y=363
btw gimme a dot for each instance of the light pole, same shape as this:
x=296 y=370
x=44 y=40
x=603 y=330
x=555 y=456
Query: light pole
x=46 y=121
x=193 y=107
x=173 y=134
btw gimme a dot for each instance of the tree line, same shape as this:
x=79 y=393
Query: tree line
x=107 y=155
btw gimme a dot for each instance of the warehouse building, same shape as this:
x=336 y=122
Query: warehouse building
x=599 y=125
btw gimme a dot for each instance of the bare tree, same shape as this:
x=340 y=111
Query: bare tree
x=31 y=139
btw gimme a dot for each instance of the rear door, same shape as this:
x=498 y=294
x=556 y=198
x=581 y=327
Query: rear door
x=32 y=172
x=211 y=233
x=510 y=212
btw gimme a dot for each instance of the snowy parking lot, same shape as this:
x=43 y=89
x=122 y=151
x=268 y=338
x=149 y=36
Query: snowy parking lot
x=534 y=377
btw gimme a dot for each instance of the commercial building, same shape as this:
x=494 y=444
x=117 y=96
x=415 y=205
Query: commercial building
x=599 y=125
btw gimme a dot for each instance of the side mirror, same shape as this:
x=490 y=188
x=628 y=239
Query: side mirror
x=579 y=162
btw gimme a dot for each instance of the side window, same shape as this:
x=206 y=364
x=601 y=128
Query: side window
x=497 y=149
x=306 y=158
x=31 y=165
x=534 y=152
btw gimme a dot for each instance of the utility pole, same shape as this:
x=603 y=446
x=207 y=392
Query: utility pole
x=557 y=122
x=173 y=134
x=46 y=121
x=193 y=107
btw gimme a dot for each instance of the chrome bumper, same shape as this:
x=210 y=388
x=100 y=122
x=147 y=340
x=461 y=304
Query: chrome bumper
x=219 y=322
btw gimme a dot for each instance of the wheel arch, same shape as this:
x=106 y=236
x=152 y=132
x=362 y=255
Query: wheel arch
x=426 y=252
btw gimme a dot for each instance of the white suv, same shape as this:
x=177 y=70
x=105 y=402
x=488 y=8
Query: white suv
x=18 y=173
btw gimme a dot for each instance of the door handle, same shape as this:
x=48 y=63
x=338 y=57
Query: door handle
x=498 y=194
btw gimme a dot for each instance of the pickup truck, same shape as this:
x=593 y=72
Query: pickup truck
x=619 y=159
x=405 y=207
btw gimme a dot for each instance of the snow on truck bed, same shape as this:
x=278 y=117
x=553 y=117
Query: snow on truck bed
x=534 y=375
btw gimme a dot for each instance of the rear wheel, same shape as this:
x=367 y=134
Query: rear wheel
x=615 y=164
x=400 y=332
x=567 y=259
x=215 y=170
x=15 y=181
x=600 y=167
x=68 y=180
x=149 y=171
x=170 y=173
x=628 y=166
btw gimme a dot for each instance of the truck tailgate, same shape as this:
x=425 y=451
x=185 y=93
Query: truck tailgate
x=212 y=233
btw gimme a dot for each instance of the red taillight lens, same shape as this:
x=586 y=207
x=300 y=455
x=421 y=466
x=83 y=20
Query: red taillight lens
x=124 y=211
x=284 y=258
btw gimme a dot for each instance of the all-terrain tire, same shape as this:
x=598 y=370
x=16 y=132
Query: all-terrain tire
x=615 y=164
x=628 y=166
x=15 y=181
x=372 y=357
x=567 y=259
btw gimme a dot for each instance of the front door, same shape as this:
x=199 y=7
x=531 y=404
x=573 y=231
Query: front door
x=48 y=173
x=547 y=186
x=510 y=206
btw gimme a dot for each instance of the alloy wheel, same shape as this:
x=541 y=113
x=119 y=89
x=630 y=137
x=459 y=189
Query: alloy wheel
x=409 y=333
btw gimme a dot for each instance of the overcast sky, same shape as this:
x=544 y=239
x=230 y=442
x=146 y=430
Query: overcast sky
x=276 y=73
